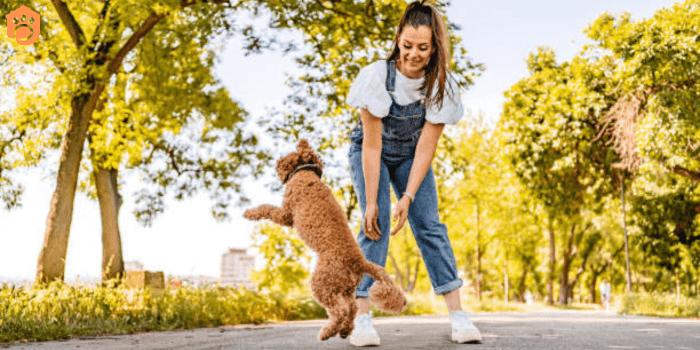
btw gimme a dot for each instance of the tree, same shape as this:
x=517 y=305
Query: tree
x=655 y=123
x=657 y=115
x=550 y=122
x=286 y=259
x=84 y=65
x=666 y=212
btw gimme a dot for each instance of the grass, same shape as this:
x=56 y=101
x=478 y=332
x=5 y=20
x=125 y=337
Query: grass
x=657 y=304
x=61 y=311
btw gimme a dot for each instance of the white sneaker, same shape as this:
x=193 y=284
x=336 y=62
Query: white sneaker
x=463 y=330
x=364 y=333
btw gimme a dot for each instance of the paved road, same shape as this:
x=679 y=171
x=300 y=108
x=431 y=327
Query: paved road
x=546 y=330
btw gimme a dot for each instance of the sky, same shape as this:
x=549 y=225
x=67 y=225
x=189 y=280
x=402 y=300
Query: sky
x=186 y=240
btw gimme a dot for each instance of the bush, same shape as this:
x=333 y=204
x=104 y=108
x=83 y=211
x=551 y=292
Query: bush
x=657 y=304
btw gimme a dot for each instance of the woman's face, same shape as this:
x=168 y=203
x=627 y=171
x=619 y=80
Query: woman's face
x=415 y=48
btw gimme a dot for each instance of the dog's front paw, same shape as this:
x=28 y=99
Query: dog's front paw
x=255 y=214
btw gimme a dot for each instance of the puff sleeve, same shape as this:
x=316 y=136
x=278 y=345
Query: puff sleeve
x=369 y=91
x=451 y=111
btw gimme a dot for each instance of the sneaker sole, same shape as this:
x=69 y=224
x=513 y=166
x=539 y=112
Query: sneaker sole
x=467 y=337
x=366 y=340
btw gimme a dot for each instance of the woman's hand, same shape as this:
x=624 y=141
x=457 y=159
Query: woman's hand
x=401 y=213
x=369 y=223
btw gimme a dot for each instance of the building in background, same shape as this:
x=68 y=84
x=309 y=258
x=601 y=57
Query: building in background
x=236 y=266
x=133 y=266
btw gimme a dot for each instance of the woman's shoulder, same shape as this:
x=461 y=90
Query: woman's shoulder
x=375 y=68
x=372 y=75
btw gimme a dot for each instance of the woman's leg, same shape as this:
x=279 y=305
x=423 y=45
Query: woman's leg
x=362 y=306
x=429 y=232
x=374 y=251
x=452 y=299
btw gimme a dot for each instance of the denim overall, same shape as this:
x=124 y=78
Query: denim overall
x=401 y=130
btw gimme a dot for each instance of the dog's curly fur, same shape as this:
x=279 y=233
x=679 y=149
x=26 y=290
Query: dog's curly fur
x=309 y=207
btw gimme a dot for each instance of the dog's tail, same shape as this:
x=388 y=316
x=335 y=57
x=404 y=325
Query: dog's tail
x=384 y=294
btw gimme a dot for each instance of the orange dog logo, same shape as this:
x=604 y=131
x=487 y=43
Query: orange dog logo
x=23 y=25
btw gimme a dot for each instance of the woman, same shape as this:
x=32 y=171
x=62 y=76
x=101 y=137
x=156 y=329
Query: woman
x=405 y=102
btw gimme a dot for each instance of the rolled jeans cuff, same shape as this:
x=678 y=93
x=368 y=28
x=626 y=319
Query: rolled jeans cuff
x=361 y=294
x=448 y=287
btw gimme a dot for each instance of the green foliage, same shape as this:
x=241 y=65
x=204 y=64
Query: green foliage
x=549 y=124
x=655 y=123
x=666 y=212
x=163 y=115
x=658 y=304
x=550 y=134
x=286 y=258
x=657 y=62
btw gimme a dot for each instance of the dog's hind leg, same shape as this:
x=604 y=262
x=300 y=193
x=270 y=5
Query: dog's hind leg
x=327 y=287
x=337 y=312
x=347 y=324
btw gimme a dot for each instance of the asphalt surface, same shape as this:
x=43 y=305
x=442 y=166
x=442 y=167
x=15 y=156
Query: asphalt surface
x=543 y=330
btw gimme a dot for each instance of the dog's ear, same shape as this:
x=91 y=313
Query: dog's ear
x=303 y=144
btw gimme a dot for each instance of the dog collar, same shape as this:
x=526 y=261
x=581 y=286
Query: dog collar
x=301 y=167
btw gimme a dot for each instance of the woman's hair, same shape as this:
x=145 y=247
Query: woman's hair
x=423 y=13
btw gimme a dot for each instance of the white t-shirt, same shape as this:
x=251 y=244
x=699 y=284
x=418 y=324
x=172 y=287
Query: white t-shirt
x=368 y=91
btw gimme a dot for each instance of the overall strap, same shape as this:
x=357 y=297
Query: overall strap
x=390 y=75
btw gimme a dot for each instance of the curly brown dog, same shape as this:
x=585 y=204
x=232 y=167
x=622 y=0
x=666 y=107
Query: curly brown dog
x=309 y=207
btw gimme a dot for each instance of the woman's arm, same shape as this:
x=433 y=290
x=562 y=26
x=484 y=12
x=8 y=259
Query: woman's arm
x=425 y=151
x=371 y=158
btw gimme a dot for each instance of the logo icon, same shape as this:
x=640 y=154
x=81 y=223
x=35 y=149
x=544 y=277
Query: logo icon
x=23 y=25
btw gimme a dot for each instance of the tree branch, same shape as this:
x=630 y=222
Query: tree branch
x=99 y=28
x=415 y=276
x=70 y=23
x=185 y=3
x=144 y=29
x=133 y=40
x=7 y=143
x=344 y=14
x=693 y=175
x=398 y=272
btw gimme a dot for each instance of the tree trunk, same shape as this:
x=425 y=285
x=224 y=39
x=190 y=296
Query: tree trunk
x=352 y=203
x=521 y=289
x=110 y=203
x=398 y=272
x=581 y=270
x=678 y=285
x=592 y=290
x=624 y=231
x=552 y=263
x=505 y=277
x=580 y=291
x=412 y=283
x=478 y=255
x=52 y=258
x=564 y=281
